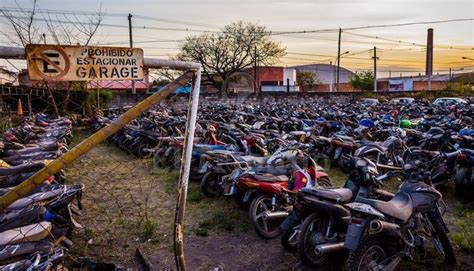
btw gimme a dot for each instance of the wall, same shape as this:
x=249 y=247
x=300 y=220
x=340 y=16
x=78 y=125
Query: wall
x=269 y=74
x=289 y=74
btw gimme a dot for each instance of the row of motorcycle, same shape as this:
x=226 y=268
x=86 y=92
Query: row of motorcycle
x=274 y=158
x=36 y=229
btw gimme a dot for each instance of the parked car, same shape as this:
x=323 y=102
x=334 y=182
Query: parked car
x=368 y=101
x=402 y=100
x=446 y=101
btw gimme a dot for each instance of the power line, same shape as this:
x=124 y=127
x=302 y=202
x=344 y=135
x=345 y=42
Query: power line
x=115 y=25
x=385 y=39
x=372 y=26
x=86 y=13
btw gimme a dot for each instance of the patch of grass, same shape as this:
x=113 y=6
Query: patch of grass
x=219 y=221
x=148 y=229
x=194 y=196
x=169 y=179
x=337 y=176
x=464 y=237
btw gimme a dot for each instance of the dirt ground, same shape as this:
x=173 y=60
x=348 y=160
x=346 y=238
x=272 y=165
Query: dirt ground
x=128 y=204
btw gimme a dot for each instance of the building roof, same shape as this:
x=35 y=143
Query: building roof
x=326 y=72
x=435 y=77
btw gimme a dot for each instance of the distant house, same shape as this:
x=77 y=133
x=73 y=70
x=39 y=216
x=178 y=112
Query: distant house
x=326 y=72
x=420 y=82
x=8 y=77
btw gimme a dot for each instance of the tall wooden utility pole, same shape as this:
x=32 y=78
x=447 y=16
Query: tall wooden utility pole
x=338 y=59
x=134 y=91
x=429 y=56
x=375 y=68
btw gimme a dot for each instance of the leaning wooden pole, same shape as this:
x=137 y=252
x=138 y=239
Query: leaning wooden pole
x=184 y=174
x=55 y=166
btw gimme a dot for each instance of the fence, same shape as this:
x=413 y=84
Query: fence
x=123 y=201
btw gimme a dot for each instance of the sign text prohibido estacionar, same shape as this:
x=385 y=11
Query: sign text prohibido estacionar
x=83 y=63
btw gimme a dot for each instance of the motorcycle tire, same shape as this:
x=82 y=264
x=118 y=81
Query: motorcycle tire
x=325 y=181
x=323 y=161
x=141 y=150
x=289 y=238
x=313 y=224
x=374 y=244
x=261 y=204
x=460 y=180
x=345 y=165
x=210 y=186
x=440 y=231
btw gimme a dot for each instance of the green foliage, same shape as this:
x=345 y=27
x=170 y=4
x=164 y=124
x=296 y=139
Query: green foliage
x=218 y=221
x=307 y=79
x=464 y=238
x=149 y=228
x=160 y=83
x=363 y=80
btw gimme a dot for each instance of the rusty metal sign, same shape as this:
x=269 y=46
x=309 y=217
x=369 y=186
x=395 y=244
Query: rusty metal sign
x=83 y=63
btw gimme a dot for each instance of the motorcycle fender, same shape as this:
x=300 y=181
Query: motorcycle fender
x=355 y=231
x=248 y=195
x=320 y=174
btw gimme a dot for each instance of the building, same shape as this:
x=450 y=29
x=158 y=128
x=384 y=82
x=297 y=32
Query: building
x=8 y=77
x=270 y=79
x=326 y=73
x=420 y=82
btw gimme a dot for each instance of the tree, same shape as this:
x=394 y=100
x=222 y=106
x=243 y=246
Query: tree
x=307 y=79
x=231 y=50
x=363 y=80
x=32 y=25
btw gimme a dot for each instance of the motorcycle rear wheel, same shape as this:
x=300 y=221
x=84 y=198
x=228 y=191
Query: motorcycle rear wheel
x=210 y=185
x=460 y=180
x=267 y=229
x=313 y=226
x=289 y=238
x=371 y=252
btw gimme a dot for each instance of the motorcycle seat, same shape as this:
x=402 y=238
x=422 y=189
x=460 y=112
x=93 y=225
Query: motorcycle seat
x=337 y=194
x=378 y=145
x=346 y=138
x=400 y=207
x=16 y=250
x=254 y=160
x=29 y=233
x=267 y=177
x=297 y=133
x=41 y=196
x=23 y=168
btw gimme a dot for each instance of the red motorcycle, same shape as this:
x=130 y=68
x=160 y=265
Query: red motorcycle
x=271 y=195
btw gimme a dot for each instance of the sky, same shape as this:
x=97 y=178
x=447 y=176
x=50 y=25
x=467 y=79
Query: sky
x=453 y=41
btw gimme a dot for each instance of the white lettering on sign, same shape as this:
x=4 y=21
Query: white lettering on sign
x=79 y=63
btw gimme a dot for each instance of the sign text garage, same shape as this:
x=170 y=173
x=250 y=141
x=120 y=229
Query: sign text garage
x=79 y=63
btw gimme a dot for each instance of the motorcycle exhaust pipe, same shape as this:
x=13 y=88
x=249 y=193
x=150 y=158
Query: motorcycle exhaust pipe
x=328 y=248
x=274 y=215
x=377 y=226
